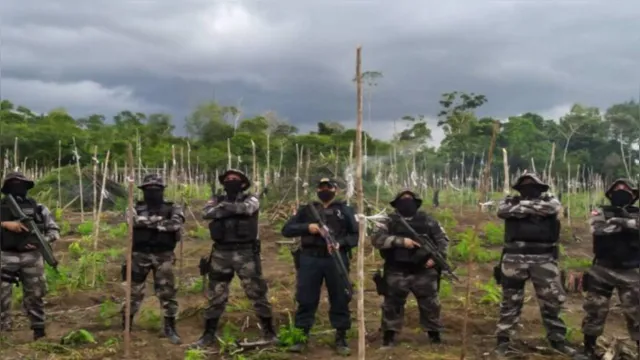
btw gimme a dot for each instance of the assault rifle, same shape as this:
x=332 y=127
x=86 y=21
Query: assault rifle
x=431 y=247
x=44 y=246
x=326 y=234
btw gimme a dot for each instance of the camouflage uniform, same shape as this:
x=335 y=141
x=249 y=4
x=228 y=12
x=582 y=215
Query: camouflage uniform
x=532 y=232
x=408 y=271
x=17 y=262
x=234 y=230
x=617 y=258
x=157 y=230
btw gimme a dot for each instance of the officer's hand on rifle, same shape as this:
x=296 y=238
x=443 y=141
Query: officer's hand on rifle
x=14 y=226
x=430 y=263
x=410 y=244
x=30 y=247
x=314 y=229
x=332 y=248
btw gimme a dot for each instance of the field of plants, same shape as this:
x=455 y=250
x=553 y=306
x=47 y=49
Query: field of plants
x=85 y=297
x=83 y=167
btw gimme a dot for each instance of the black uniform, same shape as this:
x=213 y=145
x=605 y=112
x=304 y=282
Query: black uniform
x=316 y=264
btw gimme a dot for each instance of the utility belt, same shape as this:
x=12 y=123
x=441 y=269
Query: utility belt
x=530 y=249
x=254 y=245
x=405 y=268
x=321 y=252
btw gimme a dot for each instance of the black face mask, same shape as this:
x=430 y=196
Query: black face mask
x=621 y=198
x=17 y=189
x=153 y=196
x=407 y=207
x=326 y=195
x=232 y=187
x=530 y=191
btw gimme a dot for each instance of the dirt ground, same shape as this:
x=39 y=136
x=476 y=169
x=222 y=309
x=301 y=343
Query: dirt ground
x=81 y=310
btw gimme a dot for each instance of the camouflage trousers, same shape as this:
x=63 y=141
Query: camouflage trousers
x=599 y=286
x=161 y=264
x=424 y=286
x=551 y=296
x=246 y=264
x=29 y=266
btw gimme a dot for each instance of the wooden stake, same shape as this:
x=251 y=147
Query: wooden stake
x=96 y=224
x=127 y=311
x=59 y=170
x=487 y=168
x=79 y=170
x=361 y=221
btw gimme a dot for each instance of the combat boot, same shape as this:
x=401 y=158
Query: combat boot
x=502 y=350
x=38 y=333
x=434 y=336
x=563 y=347
x=208 y=337
x=342 y=346
x=268 y=332
x=299 y=346
x=590 y=347
x=170 y=330
x=130 y=322
x=388 y=340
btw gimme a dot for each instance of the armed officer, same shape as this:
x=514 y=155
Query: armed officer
x=532 y=232
x=234 y=231
x=408 y=267
x=157 y=226
x=315 y=263
x=21 y=259
x=616 y=246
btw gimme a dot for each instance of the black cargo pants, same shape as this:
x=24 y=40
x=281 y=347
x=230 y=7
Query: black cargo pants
x=316 y=266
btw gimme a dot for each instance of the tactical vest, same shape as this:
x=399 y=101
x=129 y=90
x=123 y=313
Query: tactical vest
x=333 y=216
x=236 y=229
x=150 y=240
x=533 y=229
x=618 y=250
x=16 y=242
x=401 y=256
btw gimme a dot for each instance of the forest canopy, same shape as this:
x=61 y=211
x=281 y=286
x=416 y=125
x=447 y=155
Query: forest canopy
x=604 y=142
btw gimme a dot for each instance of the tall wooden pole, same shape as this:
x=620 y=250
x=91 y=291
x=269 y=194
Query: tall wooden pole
x=487 y=169
x=360 y=200
x=127 y=311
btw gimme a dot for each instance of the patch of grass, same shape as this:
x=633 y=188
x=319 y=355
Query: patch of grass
x=150 y=319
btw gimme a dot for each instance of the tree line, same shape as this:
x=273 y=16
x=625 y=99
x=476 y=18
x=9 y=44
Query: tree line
x=600 y=142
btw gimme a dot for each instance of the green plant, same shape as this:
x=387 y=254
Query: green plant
x=118 y=232
x=150 y=319
x=85 y=228
x=195 y=354
x=289 y=335
x=494 y=233
x=492 y=292
x=108 y=310
x=78 y=337
x=200 y=232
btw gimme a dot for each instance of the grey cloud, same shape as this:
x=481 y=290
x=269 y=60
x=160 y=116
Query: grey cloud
x=298 y=58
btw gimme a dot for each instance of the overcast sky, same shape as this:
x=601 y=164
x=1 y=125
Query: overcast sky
x=297 y=57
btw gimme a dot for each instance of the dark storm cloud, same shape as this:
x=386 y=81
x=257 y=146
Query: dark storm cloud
x=298 y=58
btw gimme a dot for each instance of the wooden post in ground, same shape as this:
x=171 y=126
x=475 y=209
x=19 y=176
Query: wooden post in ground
x=127 y=312
x=360 y=202
x=487 y=169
